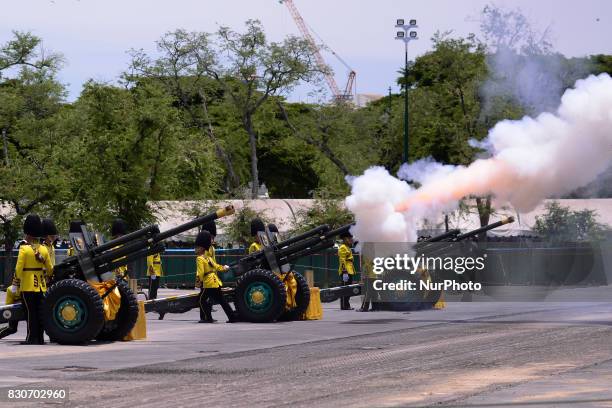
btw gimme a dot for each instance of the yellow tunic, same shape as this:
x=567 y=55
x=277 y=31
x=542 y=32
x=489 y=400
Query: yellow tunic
x=154 y=265
x=345 y=256
x=255 y=246
x=207 y=270
x=51 y=251
x=32 y=262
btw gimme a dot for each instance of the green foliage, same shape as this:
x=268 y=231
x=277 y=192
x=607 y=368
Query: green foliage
x=323 y=211
x=445 y=100
x=31 y=96
x=132 y=148
x=559 y=223
x=238 y=229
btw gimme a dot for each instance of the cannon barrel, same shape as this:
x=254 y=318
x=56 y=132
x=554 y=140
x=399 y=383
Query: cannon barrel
x=315 y=231
x=144 y=252
x=454 y=236
x=289 y=250
x=146 y=231
x=486 y=228
x=148 y=236
x=311 y=242
x=222 y=212
x=442 y=237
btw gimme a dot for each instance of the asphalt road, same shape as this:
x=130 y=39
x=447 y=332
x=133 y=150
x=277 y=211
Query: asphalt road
x=470 y=354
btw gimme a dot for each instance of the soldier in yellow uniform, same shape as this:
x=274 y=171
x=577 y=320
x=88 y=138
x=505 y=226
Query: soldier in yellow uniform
x=118 y=229
x=346 y=268
x=49 y=237
x=32 y=261
x=154 y=272
x=207 y=270
x=212 y=228
x=257 y=226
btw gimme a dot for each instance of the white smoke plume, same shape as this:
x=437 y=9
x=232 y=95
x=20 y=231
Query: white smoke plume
x=531 y=159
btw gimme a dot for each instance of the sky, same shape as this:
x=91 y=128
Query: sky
x=95 y=35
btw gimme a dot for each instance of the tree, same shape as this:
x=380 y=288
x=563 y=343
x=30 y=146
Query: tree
x=182 y=71
x=238 y=230
x=132 y=149
x=323 y=211
x=30 y=96
x=559 y=223
x=254 y=70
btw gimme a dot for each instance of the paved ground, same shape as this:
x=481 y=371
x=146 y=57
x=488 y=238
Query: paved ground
x=470 y=354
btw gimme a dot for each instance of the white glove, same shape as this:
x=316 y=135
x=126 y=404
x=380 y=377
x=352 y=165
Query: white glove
x=153 y=277
x=345 y=277
x=13 y=289
x=225 y=267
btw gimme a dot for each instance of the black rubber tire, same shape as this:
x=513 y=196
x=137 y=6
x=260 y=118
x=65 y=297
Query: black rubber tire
x=83 y=293
x=125 y=320
x=302 y=299
x=278 y=296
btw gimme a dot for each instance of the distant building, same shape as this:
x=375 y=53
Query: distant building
x=362 y=100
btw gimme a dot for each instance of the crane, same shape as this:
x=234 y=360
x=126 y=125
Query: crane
x=347 y=93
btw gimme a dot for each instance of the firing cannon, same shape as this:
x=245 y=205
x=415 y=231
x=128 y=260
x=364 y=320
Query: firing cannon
x=75 y=308
x=449 y=244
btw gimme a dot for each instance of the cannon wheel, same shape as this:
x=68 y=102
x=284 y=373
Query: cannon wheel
x=115 y=330
x=260 y=296
x=302 y=298
x=72 y=312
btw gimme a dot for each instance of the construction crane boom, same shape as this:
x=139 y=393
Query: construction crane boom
x=329 y=78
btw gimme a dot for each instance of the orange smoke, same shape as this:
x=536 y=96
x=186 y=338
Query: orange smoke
x=479 y=178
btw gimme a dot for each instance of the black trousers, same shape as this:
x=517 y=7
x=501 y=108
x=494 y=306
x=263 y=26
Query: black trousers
x=369 y=295
x=208 y=296
x=31 y=302
x=345 y=303
x=153 y=286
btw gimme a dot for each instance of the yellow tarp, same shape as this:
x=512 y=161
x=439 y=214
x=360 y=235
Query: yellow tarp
x=315 y=309
x=440 y=304
x=112 y=301
x=139 y=332
x=291 y=288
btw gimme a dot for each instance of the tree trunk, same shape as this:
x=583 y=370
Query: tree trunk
x=484 y=213
x=233 y=181
x=9 y=241
x=323 y=147
x=248 y=126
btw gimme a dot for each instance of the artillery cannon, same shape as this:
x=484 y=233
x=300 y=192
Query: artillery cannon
x=449 y=244
x=73 y=310
x=260 y=293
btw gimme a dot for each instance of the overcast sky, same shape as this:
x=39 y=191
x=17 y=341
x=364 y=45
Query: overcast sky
x=95 y=35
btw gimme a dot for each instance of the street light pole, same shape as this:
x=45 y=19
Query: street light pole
x=406 y=103
x=406 y=35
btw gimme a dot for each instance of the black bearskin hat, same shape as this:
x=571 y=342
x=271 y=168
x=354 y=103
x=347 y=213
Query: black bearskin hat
x=204 y=239
x=32 y=226
x=48 y=227
x=75 y=226
x=118 y=227
x=346 y=234
x=210 y=227
x=272 y=228
x=257 y=225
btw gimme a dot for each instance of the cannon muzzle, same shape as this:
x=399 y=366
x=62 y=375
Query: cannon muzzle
x=486 y=228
